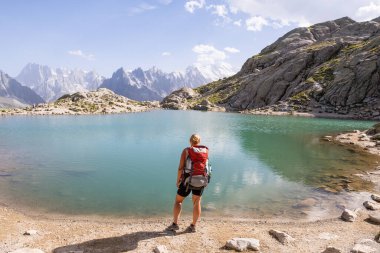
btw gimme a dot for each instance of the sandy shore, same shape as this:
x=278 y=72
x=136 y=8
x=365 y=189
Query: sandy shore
x=105 y=234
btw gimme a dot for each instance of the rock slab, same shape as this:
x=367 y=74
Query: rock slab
x=160 y=249
x=282 y=237
x=27 y=250
x=348 y=215
x=242 y=244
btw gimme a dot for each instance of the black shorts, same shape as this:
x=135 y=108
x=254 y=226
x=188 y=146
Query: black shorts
x=182 y=191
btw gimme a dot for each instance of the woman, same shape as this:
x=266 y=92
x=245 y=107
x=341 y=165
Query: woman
x=193 y=159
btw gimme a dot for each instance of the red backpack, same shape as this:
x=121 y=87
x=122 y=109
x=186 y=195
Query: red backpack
x=197 y=160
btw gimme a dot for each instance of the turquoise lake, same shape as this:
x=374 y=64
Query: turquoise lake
x=127 y=164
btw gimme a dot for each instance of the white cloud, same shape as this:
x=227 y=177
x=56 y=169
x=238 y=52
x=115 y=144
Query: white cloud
x=219 y=10
x=143 y=7
x=79 y=53
x=256 y=23
x=208 y=54
x=192 y=5
x=279 y=13
x=369 y=11
x=237 y=22
x=231 y=50
x=166 y=54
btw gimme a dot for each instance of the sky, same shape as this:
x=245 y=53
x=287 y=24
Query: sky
x=104 y=35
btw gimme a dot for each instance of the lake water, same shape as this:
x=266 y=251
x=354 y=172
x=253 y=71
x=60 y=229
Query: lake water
x=127 y=164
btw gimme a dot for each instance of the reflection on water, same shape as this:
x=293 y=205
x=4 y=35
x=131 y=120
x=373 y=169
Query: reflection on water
x=126 y=164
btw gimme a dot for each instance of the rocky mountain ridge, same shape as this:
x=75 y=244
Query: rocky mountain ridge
x=331 y=67
x=13 y=94
x=154 y=84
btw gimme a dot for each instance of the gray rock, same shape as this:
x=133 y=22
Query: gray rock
x=331 y=249
x=348 y=215
x=241 y=244
x=366 y=246
x=160 y=249
x=27 y=250
x=282 y=237
x=30 y=232
x=374 y=217
x=375 y=197
x=370 y=205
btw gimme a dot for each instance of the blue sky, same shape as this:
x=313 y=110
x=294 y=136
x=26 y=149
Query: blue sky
x=104 y=35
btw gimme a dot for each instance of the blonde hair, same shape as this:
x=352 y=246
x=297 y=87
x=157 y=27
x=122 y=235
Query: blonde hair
x=195 y=139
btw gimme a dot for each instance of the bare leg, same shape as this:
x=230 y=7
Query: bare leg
x=196 y=208
x=177 y=208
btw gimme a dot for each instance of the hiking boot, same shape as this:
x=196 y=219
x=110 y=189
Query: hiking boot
x=190 y=229
x=172 y=227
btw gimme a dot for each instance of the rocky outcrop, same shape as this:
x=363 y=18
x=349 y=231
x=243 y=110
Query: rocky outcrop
x=101 y=101
x=331 y=67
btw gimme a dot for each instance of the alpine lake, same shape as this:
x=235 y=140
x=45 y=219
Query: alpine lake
x=126 y=165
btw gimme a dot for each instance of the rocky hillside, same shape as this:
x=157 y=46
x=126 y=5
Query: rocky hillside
x=331 y=67
x=13 y=94
x=102 y=101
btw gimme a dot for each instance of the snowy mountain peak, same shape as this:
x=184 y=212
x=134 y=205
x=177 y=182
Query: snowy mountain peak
x=51 y=84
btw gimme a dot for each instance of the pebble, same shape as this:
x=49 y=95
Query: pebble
x=327 y=236
x=348 y=215
x=160 y=249
x=282 y=237
x=370 y=205
x=30 y=232
x=242 y=244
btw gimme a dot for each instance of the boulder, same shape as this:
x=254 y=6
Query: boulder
x=282 y=237
x=375 y=197
x=366 y=246
x=371 y=205
x=160 y=249
x=331 y=249
x=348 y=215
x=27 y=250
x=242 y=244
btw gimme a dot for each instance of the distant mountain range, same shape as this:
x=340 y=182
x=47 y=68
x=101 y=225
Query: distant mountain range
x=51 y=83
x=154 y=84
x=13 y=94
x=139 y=84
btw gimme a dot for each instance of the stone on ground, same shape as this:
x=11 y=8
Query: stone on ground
x=374 y=217
x=282 y=237
x=366 y=246
x=160 y=249
x=31 y=232
x=375 y=197
x=331 y=249
x=242 y=244
x=371 y=205
x=348 y=215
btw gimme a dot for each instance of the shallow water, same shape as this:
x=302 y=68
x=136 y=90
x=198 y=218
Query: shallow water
x=127 y=164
